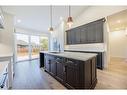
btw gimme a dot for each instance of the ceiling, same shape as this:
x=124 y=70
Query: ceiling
x=38 y=17
x=118 y=21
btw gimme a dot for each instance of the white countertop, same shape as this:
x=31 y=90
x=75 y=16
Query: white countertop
x=6 y=55
x=73 y=55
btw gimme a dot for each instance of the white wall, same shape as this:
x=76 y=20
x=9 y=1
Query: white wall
x=118 y=44
x=96 y=12
x=30 y=32
x=92 y=14
x=6 y=35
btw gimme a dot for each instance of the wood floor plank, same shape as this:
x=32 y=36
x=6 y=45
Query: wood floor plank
x=114 y=77
x=28 y=75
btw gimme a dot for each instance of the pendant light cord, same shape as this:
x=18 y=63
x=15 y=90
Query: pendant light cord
x=69 y=10
x=51 y=15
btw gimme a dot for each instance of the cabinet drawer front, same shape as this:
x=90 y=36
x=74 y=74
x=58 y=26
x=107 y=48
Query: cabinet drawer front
x=59 y=59
x=72 y=63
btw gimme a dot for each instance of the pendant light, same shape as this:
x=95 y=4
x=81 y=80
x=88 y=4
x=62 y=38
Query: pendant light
x=50 y=28
x=69 y=20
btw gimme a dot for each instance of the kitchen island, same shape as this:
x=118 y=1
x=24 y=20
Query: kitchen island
x=74 y=70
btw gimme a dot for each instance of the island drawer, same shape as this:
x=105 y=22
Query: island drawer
x=72 y=62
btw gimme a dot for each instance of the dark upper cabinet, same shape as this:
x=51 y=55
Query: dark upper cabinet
x=77 y=35
x=73 y=36
x=88 y=33
x=98 y=31
x=69 y=37
x=83 y=34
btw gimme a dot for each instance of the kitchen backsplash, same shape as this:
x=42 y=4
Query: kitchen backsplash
x=100 y=47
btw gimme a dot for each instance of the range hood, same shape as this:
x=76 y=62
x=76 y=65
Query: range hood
x=1 y=19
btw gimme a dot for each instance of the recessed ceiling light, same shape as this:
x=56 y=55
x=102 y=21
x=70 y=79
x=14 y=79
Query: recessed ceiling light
x=19 y=20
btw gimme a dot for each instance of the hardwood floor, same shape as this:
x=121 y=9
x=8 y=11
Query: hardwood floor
x=115 y=77
x=28 y=75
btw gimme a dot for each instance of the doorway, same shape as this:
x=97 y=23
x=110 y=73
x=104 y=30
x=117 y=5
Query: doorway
x=29 y=46
x=117 y=36
x=35 y=46
x=22 y=41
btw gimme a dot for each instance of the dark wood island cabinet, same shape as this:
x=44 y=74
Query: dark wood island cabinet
x=74 y=73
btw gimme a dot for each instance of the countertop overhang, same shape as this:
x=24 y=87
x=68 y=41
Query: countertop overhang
x=72 y=55
x=3 y=61
x=6 y=55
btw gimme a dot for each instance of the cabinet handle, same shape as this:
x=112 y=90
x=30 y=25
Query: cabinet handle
x=69 y=61
x=64 y=68
x=57 y=58
x=56 y=61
